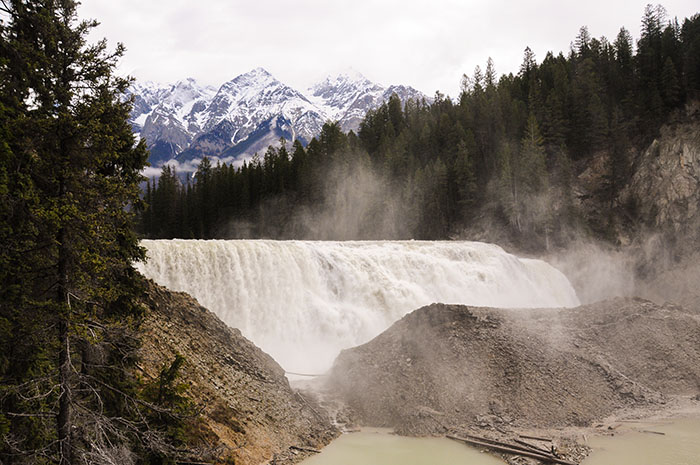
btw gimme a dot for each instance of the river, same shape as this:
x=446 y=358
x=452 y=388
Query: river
x=678 y=445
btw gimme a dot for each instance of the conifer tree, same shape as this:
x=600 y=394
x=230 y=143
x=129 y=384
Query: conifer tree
x=671 y=87
x=68 y=245
x=583 y=42
x=490 y=76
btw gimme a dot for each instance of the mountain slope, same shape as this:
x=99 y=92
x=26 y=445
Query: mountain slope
x=168 y=116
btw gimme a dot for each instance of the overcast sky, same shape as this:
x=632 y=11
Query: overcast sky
x=425 y=44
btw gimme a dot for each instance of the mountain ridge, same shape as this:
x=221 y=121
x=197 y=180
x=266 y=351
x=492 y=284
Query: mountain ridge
x=185 y=120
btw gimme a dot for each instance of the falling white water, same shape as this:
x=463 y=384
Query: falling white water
x=302 y=302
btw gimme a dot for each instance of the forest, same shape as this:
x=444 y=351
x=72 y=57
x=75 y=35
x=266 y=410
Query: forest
x=503 y=154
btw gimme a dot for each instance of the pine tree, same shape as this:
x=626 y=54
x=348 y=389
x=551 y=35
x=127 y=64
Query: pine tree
x=528 y=64
x=466 y=180
x=205 y=197
x=670 y=85
x=165 y=204
x=67 y=214
x=527 y=72
x=690 y=39
x=583 y=42
x=478 y=80
x=532 y=159
x=649 y=66
x=490 y=77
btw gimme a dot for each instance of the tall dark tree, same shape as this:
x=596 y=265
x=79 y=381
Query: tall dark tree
x=70 y=178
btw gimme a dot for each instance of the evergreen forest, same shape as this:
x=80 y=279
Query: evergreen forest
x=500 y=157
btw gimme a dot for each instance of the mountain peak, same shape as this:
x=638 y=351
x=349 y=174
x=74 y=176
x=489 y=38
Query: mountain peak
x=246 y=113
x=254 y=78
x=257 y=73
x=348 y=74
x=343 y=79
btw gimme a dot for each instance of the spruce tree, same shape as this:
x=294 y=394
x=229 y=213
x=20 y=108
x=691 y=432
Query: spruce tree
x=69 y=177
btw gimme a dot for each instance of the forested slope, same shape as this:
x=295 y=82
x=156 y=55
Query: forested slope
x=506 y=156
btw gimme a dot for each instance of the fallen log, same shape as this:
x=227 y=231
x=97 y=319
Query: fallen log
x=310 y=375
x=507 y=444
x=305 y=449
x=653 y=432
x=532 y=446
x=525 y=436
x=509 y=449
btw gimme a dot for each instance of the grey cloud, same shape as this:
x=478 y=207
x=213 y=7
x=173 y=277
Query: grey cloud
x=424 y=44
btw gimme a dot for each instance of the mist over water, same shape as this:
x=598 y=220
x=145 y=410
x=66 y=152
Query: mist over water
x=304 y=301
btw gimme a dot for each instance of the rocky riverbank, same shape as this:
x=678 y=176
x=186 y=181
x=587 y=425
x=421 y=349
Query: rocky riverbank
x=249 y=413
x=448 y=369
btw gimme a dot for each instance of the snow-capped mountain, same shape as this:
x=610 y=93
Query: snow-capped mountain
x=347 y=97
x=169 y=117
x=186 y=121
x=251 y=112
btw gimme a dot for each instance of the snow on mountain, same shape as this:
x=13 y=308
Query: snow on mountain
x=347 y=97
x=186 y=120
x=254 y=99
x=169 y=116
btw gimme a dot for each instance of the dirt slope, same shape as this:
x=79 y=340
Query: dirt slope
x=450 y=367
x=251 y=415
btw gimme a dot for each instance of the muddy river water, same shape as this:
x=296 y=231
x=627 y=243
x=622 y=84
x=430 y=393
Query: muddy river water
x=679 y=445
x=382 y=448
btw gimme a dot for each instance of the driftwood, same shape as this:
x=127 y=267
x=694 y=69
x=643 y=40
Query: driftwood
x=527 y=447
x=653 y=432
x=306 y=402
x=511 y=449
x=305 y=449
x=525 y=436
x=532 y=446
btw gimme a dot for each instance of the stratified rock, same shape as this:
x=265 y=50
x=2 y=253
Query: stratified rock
x=250 y=414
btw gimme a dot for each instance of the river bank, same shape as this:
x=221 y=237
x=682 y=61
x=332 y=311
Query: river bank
x=667 y=436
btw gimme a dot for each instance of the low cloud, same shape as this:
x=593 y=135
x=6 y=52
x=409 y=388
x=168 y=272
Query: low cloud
x=189 y=167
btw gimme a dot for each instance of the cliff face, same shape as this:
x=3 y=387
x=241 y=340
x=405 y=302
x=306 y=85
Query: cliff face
x=665 y=190
x=250 y=414
x=654 y=225
x=666 y=184
x=662 y=192
x=450 y=367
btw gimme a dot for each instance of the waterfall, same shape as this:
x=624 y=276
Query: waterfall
x=304 y=301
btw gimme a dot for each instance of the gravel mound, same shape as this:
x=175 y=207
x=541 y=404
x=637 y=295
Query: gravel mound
x=451 y=367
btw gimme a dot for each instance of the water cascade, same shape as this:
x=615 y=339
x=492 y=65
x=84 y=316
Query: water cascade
x=303 y=301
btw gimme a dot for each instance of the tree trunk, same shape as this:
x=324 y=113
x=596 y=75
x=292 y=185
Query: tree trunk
x=64 y=362
x=64 y=401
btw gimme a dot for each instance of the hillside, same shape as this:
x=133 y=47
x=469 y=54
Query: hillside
x=249 y=414
x=447 y=367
